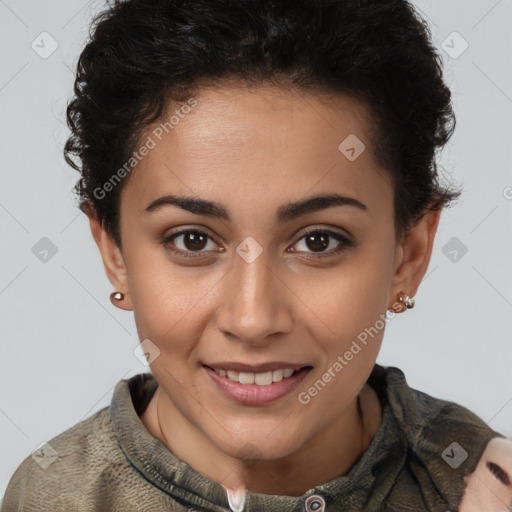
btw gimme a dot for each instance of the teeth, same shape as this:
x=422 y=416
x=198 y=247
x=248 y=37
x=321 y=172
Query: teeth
x=277 y=375
x=261 y=379
x=232 y=375
x=246 y=378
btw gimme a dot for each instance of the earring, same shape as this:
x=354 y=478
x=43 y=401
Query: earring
x=406 y=300
x=116 y=297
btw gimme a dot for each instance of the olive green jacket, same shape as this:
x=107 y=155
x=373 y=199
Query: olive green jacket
x=417 y=461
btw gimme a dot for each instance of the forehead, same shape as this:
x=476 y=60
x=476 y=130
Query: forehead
x=267 y=141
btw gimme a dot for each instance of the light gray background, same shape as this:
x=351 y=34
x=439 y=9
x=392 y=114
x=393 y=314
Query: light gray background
x=64 y=346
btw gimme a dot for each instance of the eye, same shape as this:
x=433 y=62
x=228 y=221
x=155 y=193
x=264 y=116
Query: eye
x=192 y=243
x=188 y=242
x=319 y=240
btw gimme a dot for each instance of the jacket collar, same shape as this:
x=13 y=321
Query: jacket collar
x=406 y=431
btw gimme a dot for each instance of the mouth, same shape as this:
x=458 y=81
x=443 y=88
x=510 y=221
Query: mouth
x=256 y=385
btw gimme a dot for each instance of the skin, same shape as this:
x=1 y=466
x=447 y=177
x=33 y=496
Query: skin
x=484 y=492
x=253 y=151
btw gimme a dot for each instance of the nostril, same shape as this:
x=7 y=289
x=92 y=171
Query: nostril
x=499 y=473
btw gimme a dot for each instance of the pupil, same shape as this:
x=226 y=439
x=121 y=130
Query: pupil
x=314 y=238
x=192 y=244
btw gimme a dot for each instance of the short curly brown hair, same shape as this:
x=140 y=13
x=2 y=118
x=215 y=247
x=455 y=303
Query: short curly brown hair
x=144 y=53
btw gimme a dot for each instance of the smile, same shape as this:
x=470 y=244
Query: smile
x=261 y=379
x=257 y=388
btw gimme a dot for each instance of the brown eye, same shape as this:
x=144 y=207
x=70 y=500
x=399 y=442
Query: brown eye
x=187 y=242
x=194 y=241
x=318 y=241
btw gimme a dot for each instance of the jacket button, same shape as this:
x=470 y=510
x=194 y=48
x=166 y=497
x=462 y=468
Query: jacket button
x=315 y=503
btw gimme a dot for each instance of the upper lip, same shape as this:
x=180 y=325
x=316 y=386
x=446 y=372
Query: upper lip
x=255 y=368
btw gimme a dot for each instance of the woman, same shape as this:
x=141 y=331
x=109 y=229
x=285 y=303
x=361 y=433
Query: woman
x=260 y=180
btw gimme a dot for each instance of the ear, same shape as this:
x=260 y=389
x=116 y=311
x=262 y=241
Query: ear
x=413 y=255
x=112 y=256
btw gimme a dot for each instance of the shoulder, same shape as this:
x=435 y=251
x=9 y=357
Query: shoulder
x=469 y=462
x=430 y=421
x=450 y=449
x=62 y=472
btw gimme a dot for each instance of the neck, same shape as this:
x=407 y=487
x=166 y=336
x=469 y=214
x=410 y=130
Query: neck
x=331 y=453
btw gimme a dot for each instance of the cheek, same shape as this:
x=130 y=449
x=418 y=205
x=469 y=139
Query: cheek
x=352 y=306
x=167 y=299
x=355 y=295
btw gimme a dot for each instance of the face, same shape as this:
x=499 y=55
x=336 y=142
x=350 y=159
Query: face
x=254 y=274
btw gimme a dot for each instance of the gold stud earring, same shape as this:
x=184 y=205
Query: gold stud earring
x=116 y=297
x=406 y=300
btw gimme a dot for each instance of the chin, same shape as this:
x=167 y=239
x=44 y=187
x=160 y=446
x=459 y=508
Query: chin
x=255 y=448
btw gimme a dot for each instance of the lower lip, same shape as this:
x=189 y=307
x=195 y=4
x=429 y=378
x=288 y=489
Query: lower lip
x=253 y=394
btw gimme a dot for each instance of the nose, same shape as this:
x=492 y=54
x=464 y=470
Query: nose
x=254 y=301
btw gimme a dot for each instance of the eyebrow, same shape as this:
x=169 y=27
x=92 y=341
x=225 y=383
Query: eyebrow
x=284 y=213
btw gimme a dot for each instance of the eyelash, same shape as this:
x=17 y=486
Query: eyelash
x=344 y=243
